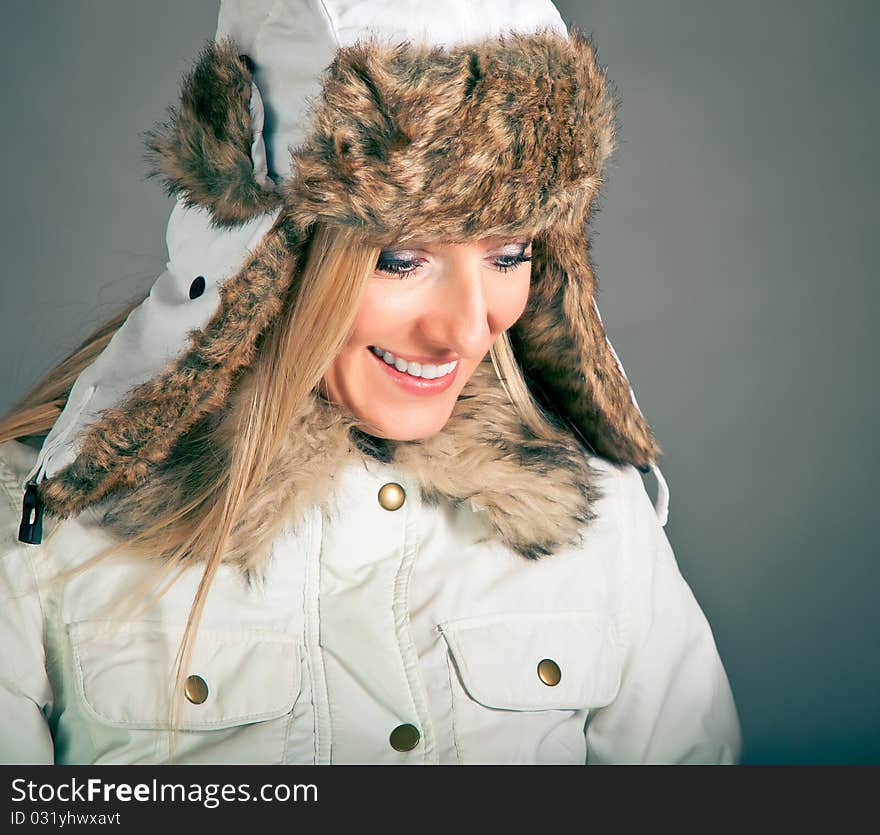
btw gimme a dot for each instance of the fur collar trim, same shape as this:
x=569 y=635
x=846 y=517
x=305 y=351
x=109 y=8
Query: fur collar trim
x=537 y=493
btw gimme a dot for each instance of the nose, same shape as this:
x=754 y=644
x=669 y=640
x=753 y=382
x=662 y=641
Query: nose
x=458 y=319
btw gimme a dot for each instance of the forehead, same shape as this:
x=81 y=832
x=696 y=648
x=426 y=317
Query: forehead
x=422 y=238
x=491 y=242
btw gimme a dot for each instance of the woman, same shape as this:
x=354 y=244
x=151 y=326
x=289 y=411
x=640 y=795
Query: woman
x=357 y=482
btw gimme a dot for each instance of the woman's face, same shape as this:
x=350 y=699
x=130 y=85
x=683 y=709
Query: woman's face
x=429 y=315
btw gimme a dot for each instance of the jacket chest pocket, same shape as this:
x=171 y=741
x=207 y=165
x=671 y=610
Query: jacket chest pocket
x=523 y=684
x=240 y=688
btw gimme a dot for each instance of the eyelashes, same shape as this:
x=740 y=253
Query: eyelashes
x=398 y=267
x=510 y=262
x=392 y=263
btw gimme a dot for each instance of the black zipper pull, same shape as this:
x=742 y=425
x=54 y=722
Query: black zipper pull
x=31 y=528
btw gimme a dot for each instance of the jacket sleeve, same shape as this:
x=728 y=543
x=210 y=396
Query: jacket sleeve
x=25 y=692
x=674 y=704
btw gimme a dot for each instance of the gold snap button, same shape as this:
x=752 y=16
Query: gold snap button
x=404 y=737
x=549 y=672
x=391 y=496
x=196 y=689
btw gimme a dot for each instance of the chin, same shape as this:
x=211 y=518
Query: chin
x=398 y=435
x=406 y=430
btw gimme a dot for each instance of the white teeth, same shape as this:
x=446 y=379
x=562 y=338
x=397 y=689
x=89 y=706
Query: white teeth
x=415 y=369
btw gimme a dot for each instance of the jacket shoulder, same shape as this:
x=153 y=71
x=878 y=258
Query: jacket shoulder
x=627 y=521
x=624 y=494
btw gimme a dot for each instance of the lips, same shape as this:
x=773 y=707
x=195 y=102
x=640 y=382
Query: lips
x=415 y=385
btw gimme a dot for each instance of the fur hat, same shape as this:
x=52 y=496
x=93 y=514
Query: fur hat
x=446 y=124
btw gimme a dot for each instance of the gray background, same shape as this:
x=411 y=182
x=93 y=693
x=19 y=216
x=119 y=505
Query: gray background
x=732 y=249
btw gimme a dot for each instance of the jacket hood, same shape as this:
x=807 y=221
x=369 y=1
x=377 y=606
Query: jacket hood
x=504 y=133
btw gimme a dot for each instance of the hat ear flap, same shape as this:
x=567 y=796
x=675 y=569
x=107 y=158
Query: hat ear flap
x=125 y=442
x=561 y=344
x=211 y=150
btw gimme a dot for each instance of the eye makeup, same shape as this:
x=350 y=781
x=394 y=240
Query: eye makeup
x=506 y=260
x=398 y=262
x=402 y=263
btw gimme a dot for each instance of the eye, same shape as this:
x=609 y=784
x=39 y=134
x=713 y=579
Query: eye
x=507 y=260
x=399 y=263
x=402 y=263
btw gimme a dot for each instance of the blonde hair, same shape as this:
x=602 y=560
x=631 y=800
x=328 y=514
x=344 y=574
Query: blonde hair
x=291 y=364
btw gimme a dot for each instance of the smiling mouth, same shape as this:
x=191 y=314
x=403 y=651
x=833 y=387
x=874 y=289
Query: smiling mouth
x=424 y=371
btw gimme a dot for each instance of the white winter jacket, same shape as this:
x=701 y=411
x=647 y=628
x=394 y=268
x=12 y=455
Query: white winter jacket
x=491 y=594
x=405 y=636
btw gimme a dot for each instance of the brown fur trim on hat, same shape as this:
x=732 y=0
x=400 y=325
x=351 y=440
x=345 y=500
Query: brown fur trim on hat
x=493 y=138
x=561 y=344
x=202 y=153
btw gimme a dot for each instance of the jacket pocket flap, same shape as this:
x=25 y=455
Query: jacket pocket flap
x=124 y=672
x=499 y=660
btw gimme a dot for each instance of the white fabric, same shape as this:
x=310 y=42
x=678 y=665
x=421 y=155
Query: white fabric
x=446 y=23
x=259 y=159
x=661 y=505
x=428 y=621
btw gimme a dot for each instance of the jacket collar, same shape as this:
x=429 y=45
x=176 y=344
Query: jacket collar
x=537 y=493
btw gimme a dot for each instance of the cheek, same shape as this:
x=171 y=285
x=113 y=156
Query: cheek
x=381 y=314
x=386 y=311
x=508 y=302
x=347 y=368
